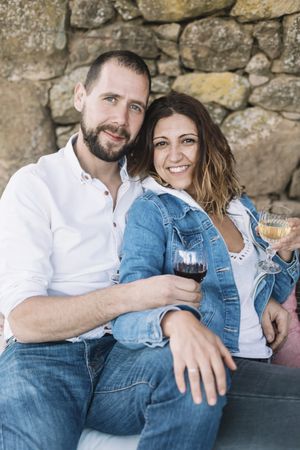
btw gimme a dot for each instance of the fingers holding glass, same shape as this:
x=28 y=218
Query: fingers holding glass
x=273 y=225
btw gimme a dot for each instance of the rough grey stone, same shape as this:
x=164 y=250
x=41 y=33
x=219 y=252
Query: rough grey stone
x=228 y=47
x=264 y=144
x=91 y=13
x=63 y=134
x=168 y=47
x=247 y=10
x=289 y=61
x=85 y=47
x=170 y=67
x=258 y=80
x=177 y=10
x=26 y=130
x=61 y=97
x=290 y=116
x=169 y=31
x=294 y=191
x=127 y=9
x=258 y=64
x=217 y=112
x=294 y=206
x=227 y=89
x=268 y=35
x=161 y=84
x=280 y=94
x=33 y=39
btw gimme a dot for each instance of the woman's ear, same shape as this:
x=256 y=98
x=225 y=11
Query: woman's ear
x=79 y=96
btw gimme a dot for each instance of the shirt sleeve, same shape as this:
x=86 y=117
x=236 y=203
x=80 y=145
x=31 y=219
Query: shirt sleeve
x=25 y=240
x=143 y=256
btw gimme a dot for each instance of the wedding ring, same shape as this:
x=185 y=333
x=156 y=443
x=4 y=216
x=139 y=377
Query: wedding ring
x=192 y=370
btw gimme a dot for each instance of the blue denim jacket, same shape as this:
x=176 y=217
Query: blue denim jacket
x=157 y=225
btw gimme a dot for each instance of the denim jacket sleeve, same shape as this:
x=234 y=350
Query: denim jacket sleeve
x=289 y=275
x=142 y=257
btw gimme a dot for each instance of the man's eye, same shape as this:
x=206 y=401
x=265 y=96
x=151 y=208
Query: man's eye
x=111 y=99
x=136 y=108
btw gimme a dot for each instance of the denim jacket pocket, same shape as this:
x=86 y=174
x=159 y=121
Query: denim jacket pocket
x=207 y=317
x=186 y=238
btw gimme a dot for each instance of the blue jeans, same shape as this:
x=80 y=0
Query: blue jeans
x=263 y=409
x=50 y=392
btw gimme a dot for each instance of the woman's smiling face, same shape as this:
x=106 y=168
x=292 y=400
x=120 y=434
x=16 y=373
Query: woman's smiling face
x=176 y=150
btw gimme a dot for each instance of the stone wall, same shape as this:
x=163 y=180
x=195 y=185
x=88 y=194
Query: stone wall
x=240 y=57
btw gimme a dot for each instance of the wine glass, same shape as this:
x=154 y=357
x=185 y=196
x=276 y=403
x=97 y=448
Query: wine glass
x=272 y=226
x=190 y=263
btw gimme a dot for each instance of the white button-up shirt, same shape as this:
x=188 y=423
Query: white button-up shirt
x=59 y=232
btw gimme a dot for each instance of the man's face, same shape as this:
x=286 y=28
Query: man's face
x=113 y=111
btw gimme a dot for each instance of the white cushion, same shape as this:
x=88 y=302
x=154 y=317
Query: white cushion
x=94 y=440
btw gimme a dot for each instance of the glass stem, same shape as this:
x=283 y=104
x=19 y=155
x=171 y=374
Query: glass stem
x=270 y=253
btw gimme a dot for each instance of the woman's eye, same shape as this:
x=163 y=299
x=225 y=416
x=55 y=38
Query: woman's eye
x=189 y=141
x=160 y=144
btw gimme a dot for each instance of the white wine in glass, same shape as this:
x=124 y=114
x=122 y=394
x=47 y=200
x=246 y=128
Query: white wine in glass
x=272 y=226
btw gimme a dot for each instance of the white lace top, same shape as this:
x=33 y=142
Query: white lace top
x=252 y=343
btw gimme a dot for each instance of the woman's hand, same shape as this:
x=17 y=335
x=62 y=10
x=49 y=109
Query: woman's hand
x=292 y=240
x=199 y=351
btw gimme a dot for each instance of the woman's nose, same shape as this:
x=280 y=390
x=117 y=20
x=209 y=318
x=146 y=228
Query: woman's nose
x=175 y=153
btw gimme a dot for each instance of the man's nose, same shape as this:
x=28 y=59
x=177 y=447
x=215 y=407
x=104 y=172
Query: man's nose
x=121 y=116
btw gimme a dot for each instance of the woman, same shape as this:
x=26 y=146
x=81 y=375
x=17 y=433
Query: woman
x=192 y=197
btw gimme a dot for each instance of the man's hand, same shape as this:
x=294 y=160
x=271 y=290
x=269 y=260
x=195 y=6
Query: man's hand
x=275 y=324
x=199 y=351
x=163 y=290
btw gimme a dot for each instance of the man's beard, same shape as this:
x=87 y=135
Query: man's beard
x=107 y=153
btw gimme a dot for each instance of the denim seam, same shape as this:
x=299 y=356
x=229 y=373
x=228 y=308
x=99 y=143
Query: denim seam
x=87 y=364
x=2 y=439
x=125 y=388
x=271 y=397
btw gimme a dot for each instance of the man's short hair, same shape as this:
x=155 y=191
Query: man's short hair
x=124 y=58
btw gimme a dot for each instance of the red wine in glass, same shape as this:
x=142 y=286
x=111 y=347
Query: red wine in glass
x=190 y=264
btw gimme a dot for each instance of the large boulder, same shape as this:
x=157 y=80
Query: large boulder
x=26 y=130
x=280 y=94
x=227 y=89
x=268 y=35
x=266 y=148
x=91 y=13
x=294 y=191
x=127 y=10
x=33 y=39
x=267 y=9
x=62 y=95
x=289 y=61
x=86 y=46
x=216 y=44
x=177 y=10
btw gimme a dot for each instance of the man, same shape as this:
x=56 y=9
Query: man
x=61 y=227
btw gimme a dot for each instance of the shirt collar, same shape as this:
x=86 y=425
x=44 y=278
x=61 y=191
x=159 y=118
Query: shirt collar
x=72 y=160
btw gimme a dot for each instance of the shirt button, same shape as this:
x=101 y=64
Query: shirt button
x=114 y=224
x=106 y=193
